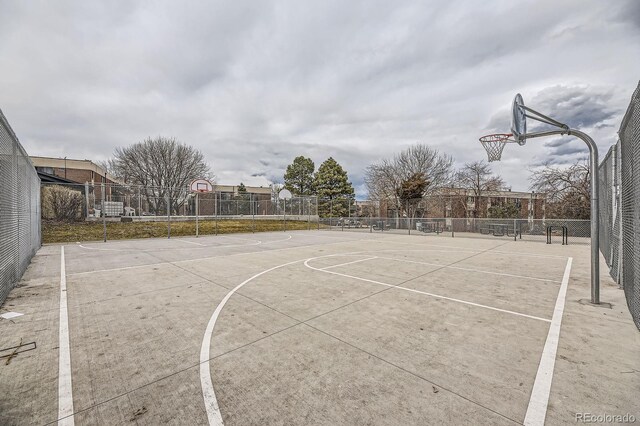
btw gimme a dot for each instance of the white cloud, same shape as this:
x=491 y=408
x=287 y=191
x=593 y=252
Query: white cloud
x=255 y=84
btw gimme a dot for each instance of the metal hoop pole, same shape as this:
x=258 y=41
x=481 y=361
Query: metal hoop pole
x=595 y=209
x=197 y=210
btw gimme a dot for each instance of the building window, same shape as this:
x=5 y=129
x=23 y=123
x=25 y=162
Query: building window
x=47 y=170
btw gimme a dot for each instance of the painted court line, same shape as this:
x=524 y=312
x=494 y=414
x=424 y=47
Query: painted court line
x=539 y=401
x=65 y=391
x=471 y=270
x=167 y=248
x=256 y=243
x=189 y=242
x=208 y=393
x=461 y=249
x=348 y=263
x=306 y=263
x=124 y=268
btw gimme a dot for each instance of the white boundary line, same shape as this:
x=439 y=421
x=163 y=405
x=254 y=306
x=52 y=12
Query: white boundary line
x=539 y=401
x=124 y=268
x=306 y=263
x=280 y=249
x=122 y=250
x=470 y=269
x=208 y=393
x=65 y=389
x=348 y=263
x=259 y=242
x=455 y=248
x=197 y=259
x=189 y=242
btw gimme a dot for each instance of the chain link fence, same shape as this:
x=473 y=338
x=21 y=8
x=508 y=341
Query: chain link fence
x=551 y=231
x=609 y=199
x=95 y=211
x=19 y=209
x=620 y=204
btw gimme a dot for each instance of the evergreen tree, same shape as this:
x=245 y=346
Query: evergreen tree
x=299 y=176
x=333 y=188
x=411 y=192
x=243 y=200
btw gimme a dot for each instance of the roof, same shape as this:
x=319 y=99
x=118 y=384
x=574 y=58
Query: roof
x=49 y=178
x=68 y=163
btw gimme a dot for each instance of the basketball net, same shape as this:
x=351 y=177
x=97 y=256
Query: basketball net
x=494 y=144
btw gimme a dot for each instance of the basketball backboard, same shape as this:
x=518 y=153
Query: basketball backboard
x=201 y=185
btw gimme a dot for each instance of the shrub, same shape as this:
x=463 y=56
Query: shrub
x=61 y=203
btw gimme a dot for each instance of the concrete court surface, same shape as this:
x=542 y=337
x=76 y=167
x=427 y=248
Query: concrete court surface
x=326 y=328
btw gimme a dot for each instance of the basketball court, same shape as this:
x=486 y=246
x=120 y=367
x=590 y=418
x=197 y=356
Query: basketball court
x=315 y=327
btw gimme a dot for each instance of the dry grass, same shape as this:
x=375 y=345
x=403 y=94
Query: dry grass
x=59 y=232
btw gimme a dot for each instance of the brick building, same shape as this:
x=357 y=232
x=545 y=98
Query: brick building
x=70 y=170
x=460 y=203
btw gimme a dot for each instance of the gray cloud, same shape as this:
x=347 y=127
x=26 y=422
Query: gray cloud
x=577 y=106
x=255 y=84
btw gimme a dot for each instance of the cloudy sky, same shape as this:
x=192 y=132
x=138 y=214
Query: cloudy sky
x=255 y=84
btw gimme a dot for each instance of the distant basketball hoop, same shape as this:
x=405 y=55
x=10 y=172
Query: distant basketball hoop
x=285 y=194
x=201 y=185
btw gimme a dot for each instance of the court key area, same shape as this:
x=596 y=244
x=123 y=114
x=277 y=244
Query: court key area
x=315 y=327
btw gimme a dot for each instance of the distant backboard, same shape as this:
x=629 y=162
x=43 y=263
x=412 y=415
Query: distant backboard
x=201 y=185
x=284 y=194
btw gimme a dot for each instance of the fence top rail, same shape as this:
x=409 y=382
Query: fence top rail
x=20 y=148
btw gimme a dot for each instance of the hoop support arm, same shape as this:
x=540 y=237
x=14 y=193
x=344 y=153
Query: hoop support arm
x=543 y=118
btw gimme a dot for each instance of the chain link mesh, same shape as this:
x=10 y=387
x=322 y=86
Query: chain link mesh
x=620 y=207
x=19 y=209
x=629 y=206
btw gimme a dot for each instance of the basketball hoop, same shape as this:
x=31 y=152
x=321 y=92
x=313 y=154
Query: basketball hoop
x=494 y=144
x=201 y=185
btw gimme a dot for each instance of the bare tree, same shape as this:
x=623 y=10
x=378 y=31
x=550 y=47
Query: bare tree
x=384 y=179
x=478 y=178
x=163 y=167
x=568 y=190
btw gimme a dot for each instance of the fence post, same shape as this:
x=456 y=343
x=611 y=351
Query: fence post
x=252 y=206
x=308 y=214
x=330 y=213
x=408 y=218
x=104 y=216
x=168 y=215
x=86 y=198
x=215 y=203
